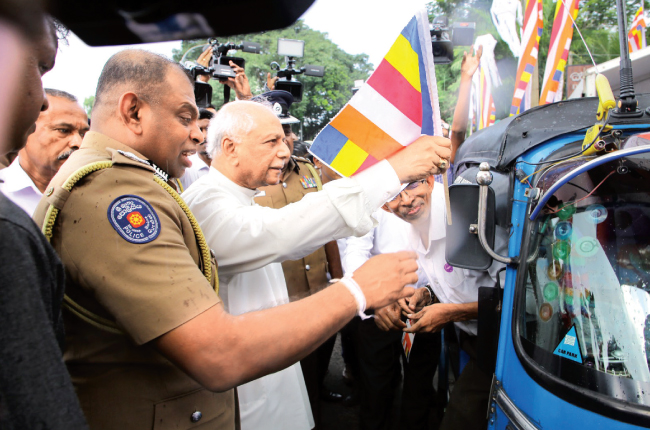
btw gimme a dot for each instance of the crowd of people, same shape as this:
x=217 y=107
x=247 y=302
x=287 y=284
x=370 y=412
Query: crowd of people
x=167 y=266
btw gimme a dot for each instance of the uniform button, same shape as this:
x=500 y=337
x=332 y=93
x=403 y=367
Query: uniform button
x=284 y=185
x=196 y=416
x=307 y=267
x=49 y=191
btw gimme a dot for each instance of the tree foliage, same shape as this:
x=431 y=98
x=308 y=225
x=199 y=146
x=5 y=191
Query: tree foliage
x=88 y=105
x=322 y=97
x=598 y=23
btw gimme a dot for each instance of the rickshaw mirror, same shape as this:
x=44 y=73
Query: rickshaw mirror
x=462 y=248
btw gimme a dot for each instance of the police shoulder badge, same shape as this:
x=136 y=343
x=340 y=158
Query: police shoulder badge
x=134 y=219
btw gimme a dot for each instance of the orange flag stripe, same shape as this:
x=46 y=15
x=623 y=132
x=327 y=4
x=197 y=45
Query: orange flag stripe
x=364 y=133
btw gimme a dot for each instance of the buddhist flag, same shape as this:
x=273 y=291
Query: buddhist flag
x=407 y=340
x=533 y=27
x=558 y=52
x=636 y=35
x=398 y=104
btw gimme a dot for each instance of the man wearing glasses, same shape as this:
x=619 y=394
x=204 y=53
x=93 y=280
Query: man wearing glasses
x=451 y=296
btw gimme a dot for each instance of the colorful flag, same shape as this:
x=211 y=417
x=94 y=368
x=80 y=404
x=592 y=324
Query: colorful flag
x=487 y=110
x=407 y=340
x=558 y=51
x=398 y=104
x=486 y=77
x=533 y=27
x=636 y=35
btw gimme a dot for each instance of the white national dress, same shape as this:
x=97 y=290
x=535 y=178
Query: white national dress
x=250 y=241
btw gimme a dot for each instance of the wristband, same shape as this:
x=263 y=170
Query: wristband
x=428 y=287
x=358 y=295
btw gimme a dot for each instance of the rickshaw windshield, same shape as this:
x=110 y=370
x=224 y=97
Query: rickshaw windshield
x=586 y=317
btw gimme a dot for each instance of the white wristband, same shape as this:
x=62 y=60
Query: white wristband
x=356 y=292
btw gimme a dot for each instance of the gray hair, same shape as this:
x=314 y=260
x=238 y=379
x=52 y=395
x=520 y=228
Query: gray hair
x=61 y=94
x=234 y=120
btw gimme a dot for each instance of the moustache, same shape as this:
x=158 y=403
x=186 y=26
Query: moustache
x=65 y=155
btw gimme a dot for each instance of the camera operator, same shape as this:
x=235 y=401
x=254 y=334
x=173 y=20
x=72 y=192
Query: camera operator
x=239 y=83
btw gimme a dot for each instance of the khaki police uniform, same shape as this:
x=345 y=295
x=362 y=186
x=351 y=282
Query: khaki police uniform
x=136 y=268
x=307 y=275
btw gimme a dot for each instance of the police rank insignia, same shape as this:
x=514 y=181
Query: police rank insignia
x=134 y=219
x=308 y=182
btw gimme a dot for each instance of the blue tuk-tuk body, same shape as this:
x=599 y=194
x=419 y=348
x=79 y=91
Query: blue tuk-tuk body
x=574 y=341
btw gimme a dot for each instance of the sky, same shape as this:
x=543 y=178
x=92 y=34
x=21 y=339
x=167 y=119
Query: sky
x=366 y=26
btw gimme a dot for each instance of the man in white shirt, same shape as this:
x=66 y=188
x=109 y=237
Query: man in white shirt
x=201 y=160
x=59 y=131
x=456 y=298
x=247 y=141
x=379 y=350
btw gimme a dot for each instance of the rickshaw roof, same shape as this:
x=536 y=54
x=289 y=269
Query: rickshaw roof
x=501 y=143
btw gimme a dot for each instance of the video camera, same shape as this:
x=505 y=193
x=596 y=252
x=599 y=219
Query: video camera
x=443 y=47
x=291 y=49
x=219 y=68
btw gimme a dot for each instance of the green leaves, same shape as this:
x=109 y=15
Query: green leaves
x=322 y=97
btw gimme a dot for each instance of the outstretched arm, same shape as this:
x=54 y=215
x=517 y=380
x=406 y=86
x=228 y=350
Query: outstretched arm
x=459 y=126
x=221 y=351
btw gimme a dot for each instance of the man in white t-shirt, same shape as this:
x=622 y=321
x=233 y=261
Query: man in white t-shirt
x=455 y=298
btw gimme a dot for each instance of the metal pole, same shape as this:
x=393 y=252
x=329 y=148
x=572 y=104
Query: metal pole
x=627 y=102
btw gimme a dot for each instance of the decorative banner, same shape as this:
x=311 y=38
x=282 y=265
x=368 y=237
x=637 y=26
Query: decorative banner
x=505 y=15
x=486 y=77
x=558 y=52
x=636 y=35
x=487 y=110
x=533 y=27
x=397 y=105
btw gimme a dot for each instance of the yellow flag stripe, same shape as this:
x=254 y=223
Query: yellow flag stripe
x=349 y=159
x=405 y=60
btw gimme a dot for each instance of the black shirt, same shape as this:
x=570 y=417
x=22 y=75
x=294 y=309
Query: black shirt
x=35 y=388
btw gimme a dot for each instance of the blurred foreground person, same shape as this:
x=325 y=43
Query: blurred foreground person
x=59 y=131
x=148 y=342
x=35 y=388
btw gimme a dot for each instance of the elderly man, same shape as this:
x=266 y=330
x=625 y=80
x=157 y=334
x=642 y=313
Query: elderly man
x=454 y=298
x=308 y=274
x=35 y=388
x=148 y=342
x=59 y=131
x=248 y=142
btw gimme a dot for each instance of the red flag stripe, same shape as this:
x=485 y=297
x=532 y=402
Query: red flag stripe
x=394 y=87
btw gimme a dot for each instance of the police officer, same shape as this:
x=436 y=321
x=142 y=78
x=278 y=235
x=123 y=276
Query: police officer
x=307 y=275
x=148 y=343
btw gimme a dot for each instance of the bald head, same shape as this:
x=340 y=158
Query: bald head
x=247 y=141
x=134 y=70
x=235 y=120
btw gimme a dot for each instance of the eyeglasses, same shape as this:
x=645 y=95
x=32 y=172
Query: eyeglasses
x=410 y=187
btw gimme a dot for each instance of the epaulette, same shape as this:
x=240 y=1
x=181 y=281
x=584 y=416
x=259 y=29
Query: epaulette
x=302 y=159
x=156 y=170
